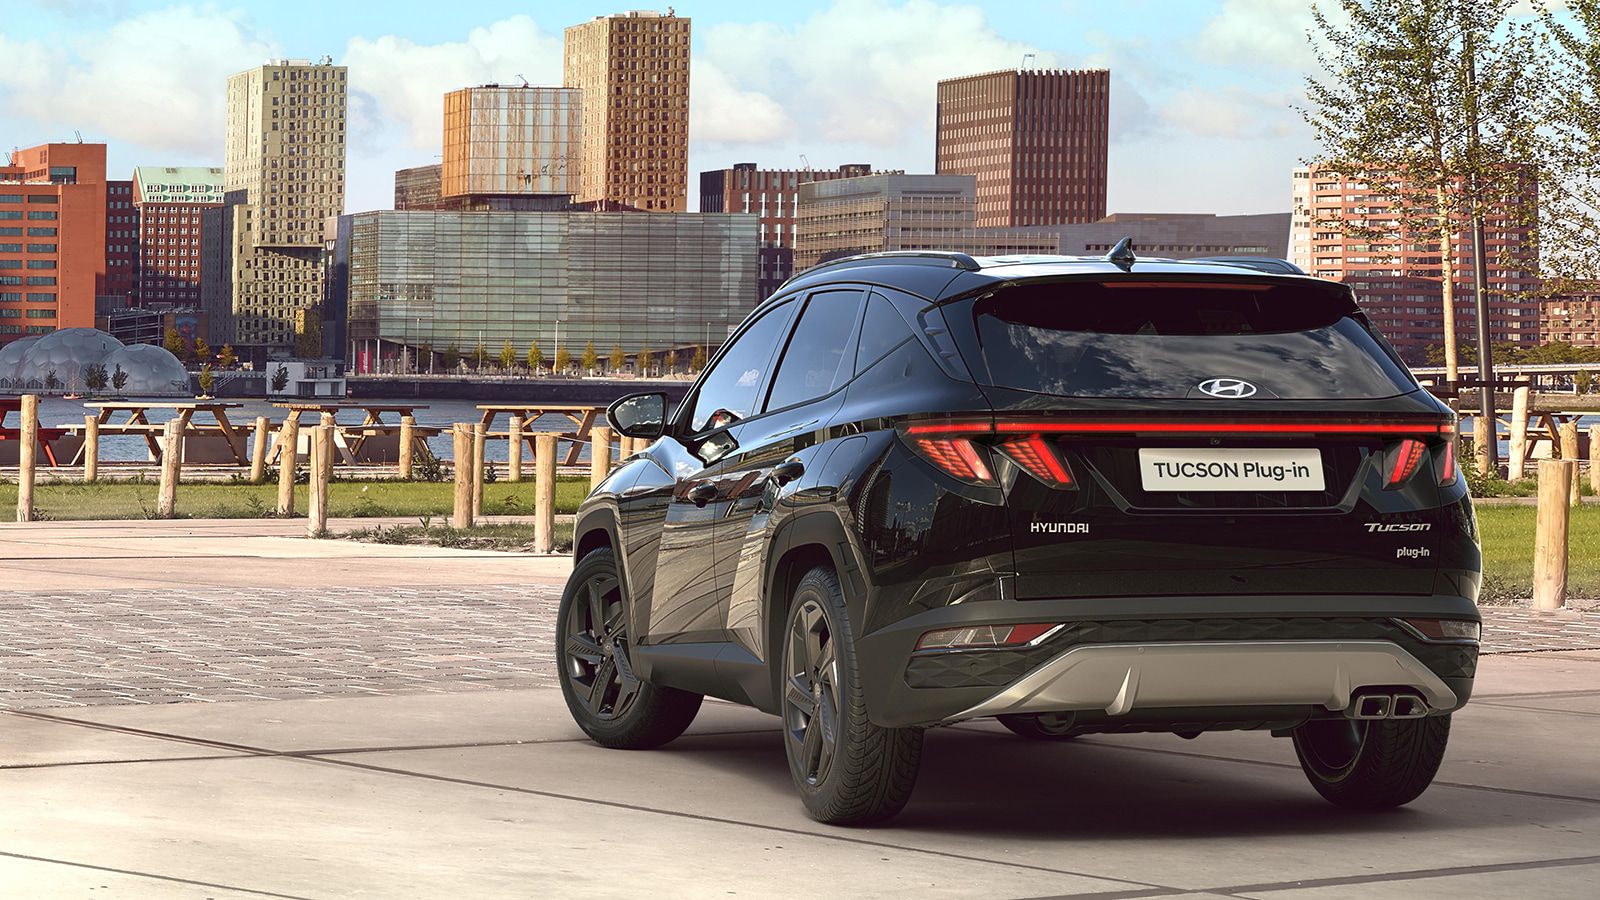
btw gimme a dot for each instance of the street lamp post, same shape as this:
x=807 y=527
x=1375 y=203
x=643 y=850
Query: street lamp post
x=1480 y=275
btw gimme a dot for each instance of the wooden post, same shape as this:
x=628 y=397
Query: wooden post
x=1550 y=534
x=514 y=450
x=258 y=451
x=317 y=494
x=171 y=469
x=408 y=439
x=624 y=447
x=27 y=457
x=91 y=449
x=1569 y=451
x=288 y=449
x=544 y=493
x=461 y=517
x=1483 y=431
x=1594 y=460
x=479 y=444
x=1517 y=452
x=599 y=454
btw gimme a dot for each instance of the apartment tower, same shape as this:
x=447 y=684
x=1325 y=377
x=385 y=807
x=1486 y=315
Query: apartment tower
x=633 y=70
x=502 y=140
x=52 y=238
x=171 y=201
x=1035 y=139
x=284 y=176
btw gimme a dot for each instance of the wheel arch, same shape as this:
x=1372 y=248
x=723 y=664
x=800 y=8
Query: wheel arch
x=803 y=542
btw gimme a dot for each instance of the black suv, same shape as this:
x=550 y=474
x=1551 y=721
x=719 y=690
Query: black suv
x=1080 y=495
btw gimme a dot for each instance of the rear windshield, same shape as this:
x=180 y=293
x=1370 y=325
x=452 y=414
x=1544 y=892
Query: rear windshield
x=1162 y=340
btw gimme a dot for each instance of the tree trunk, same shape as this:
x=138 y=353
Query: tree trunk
x=1447 y=272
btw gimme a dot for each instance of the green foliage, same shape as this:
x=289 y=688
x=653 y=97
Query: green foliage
x=508 y=356
x=51 y=382
x=646 y=359
x=227 y=358
x=1584 y=382
x=202 y=350
x=280 y=379
x=619 y=358
x=590 y=358
x=94 y=377
x=175 y=344
x=452 y=358
x=535 y=357
x=563 y=360
x=119 y=378
x=480 y=354
x=207 y=379
x=698 y=361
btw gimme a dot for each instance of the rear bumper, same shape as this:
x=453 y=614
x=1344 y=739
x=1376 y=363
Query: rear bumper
x=1154 y=659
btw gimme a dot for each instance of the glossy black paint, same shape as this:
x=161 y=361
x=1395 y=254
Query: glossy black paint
x=713 y=528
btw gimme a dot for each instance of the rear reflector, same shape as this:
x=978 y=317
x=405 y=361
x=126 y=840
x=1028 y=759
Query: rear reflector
x=1446 y=629
x=979 y=636
x=1407 y=456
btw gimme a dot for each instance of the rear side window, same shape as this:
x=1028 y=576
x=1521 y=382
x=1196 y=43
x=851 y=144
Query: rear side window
x=814 y=364
x=1160 y=340
x=881 y=331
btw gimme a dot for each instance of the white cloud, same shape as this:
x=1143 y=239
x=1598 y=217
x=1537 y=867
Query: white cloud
x=1229 y=112
x=723 y=113
x=156 y=79
x=1261 y=32
x=398 y=84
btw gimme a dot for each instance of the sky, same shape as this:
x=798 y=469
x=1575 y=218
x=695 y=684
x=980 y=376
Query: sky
x=1203 y=115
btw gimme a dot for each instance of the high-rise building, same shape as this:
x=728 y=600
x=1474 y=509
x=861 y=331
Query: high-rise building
x=1398 y=276
x=774 y=196
x=873 y=213
x=1571 y=320
x=122 y=251
x=633 y=69
x=417 y=187
x=284 y=175
x=1036 y=140
x=52 y=238
x=170 y=203
x=502 y=140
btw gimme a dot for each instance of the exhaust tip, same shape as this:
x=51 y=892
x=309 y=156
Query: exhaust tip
x=1409 y=706
x=1373 y=706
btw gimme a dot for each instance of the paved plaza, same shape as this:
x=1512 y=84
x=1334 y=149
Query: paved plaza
x=224 y=709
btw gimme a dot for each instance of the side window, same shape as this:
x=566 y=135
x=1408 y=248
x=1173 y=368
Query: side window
x=814 y=363
x=729 y=391
x=881 y=331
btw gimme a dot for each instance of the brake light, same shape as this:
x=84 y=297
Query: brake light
x=985 y=636
x=1406 y=459
x=1037 y=458
x=1447 y=464
x=957 y=457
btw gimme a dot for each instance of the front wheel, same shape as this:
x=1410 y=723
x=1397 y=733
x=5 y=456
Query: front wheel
x=848 y=770
x=606 y=698
x=1374 y=763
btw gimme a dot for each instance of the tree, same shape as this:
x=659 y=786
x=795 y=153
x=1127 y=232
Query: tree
x=563 y=360
x=698 y=361
x=1400 y=81
x=228 y=358
x=452 y=358
x=425 y=356
x=590 y=359
x=119 y=379
x=207 y=380
x=508 y=356
x=619 y=359
x=94 y=378
x=1569 y=189
x=280 y=378
x=645 y=359
x=51 y=382
x=479 y=355
x=535 y=357
x=1584 y=384
x=175 y=344
x=202 y=350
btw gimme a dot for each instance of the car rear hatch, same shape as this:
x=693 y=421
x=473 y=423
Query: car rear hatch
x=1200 y=435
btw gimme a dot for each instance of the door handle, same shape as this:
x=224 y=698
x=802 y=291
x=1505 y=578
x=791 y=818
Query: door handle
x=788 y=470
x=703 y=493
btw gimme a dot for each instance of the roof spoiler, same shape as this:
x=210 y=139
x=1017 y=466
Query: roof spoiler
x=1269 y=264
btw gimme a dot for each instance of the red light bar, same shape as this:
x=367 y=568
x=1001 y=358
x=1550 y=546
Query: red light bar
x=1189 y=285
x=1193 y=426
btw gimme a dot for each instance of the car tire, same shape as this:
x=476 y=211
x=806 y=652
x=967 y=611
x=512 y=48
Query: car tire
x=848 y=770
x=1041 y=727
x=607 y=700
x=1371 y=764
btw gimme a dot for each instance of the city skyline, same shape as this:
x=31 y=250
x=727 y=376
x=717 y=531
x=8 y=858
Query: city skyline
x=1195 y=119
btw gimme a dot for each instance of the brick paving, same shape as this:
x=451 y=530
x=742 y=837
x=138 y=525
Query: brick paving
x=86 y=648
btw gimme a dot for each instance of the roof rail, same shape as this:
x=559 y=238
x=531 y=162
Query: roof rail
x=1269 y=264
x=948 y=258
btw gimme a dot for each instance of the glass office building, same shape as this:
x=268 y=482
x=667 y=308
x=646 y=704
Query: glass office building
x=426 y=279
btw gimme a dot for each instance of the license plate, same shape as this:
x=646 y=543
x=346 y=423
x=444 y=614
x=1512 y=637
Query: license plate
x=1230 y=469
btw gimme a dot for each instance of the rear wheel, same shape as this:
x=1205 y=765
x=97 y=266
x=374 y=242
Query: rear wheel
x=1041 y=727
x=1371 y=764
x=848 y=770
x=607 y=700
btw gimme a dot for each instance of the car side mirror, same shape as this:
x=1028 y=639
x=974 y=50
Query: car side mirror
x=639 y=415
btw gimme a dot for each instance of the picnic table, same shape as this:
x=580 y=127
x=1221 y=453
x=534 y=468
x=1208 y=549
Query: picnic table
x=582 y=417
x=10 y=433
x=351 y=440
x=138 y=422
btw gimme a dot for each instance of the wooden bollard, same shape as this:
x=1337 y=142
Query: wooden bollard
x=408 y=440
x=599 y=454
x=544 y=492
x=1517 y=451
x=171 y=469
x=1483 y=431
x=321 y=468
x=27 y=457
x=1569 y=451
x=1594 y=460
x=258 y=450
x=480 y=443
x=461 y=515
x=514 y=450
x=91 y=449
x=1550 y=533
x=288 y=450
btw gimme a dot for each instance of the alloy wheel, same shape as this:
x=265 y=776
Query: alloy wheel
x=597 y=649
x=811 y=692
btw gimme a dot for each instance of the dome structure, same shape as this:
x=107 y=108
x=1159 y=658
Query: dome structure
x=152 y=371
x=11 y=356
x=27 y=364
x=65 y=354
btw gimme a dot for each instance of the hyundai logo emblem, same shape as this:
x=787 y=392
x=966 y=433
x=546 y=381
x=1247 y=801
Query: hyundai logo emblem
x=1232 y=388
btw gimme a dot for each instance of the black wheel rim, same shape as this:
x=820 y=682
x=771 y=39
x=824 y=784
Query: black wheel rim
x=1331 y=747
x=811 y=693
x=596 y=646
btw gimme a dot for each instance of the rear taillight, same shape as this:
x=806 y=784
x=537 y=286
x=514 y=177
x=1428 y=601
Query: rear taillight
x=1036 y=457
x=1447 y=464
x=975 y=637
x=957 y=456
x=1403 y=462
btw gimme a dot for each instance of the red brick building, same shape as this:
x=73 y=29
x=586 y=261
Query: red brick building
x=1036 y=140
x=122 y=249
x=772 y=194
x=52 y=238
x=169 y=201
x=1571 y=320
